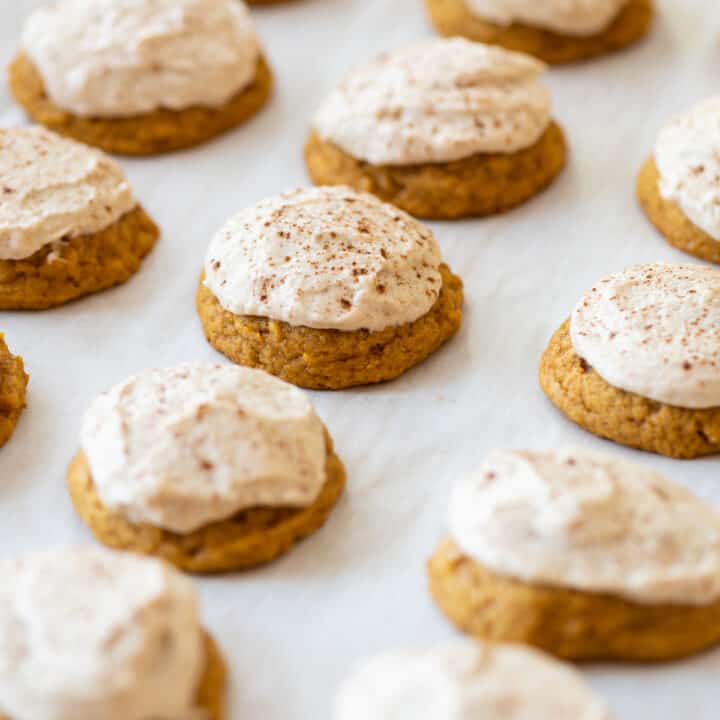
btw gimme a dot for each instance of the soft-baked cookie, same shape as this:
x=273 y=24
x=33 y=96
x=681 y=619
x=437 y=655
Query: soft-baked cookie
x=555 y=31
x=581 y=554
x=638 y=361
x=677 y=187
x=13 y=385
x=140 y=78
x=112 y=636
x=467 y=680
x=211 y=467
x=327 y=288
x=445 y=129
x=69 y=223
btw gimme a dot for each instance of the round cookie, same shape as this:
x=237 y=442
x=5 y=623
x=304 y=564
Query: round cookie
x=632 y=23
x=212 y=509
x=149 y=103
x=637 y=362
x=70 y=224
x=13 y=384
x=677 y=186
x=327 y=289
x=446 y=129
x=560 y=550
x=146 y=604
x=467 y=680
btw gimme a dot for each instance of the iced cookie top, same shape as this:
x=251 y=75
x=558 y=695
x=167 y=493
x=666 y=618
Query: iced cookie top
x=327 y=258
x=567 y=17
x=583 y=520
x=439 y=101
x=90 y=633
x=654 y=330
x=119 y=58
x=467 y=680
x=52 y=188
x=182 y=447
x=687 y=155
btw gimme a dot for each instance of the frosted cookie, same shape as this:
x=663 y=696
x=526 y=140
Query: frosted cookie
x=638 y=361
x=467 y=680
x=327 y=288
x=90 y=633
x=556 y=31
x=140 y=77
x=69 y=222
x=677 y=187
x=584 y=555
x=444 y=129
x=210 y=467
x=13 y=385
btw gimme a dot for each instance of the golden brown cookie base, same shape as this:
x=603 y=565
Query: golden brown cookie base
x=567 y=623
x=452 y=17
x=150 y=134
x=211 y=693
x=670 y=220
x=331 y=359
x=622 y=416
x=67 y=270
x=483 y=184
x=13 y=384
x=250 y=538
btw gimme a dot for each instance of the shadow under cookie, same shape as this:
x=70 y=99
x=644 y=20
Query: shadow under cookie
x=483 y=184
x=570 y=624
x=670 y=220
x=156 y=132
x=13 y=386
x=250 y=538
x=624 y=417
x=331 y=359
x=452 y=17
x=69 y=269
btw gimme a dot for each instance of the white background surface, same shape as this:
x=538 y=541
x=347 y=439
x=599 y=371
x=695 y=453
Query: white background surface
x=292 y=630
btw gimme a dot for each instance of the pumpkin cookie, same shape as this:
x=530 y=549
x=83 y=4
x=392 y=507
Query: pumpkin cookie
x=327 y=288
x=583 y=555
x=112 y=635
x=167 y=75
x=554 y=31
x=677 y=187
x=212 y=468
x=467 y=680
x=13 y=384
x=637 y=362
x=69 y=225
x=446 y=129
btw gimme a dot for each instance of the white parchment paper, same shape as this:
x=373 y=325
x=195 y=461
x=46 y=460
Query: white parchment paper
x=292 y=630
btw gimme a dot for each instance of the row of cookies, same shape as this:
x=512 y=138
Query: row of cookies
x=445 y=129
x=578 y=553
x=118 y=637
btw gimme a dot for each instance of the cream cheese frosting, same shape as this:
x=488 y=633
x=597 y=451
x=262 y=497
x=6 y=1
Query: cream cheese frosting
x=121 y=58
x=182 y=447
x=467 y=680
x=90 y=633
x=567 y=17
x=327 y=258
x=654 y=330
x=687 y=155
x=435 y=102
x=53 y=188
x=588 y=521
